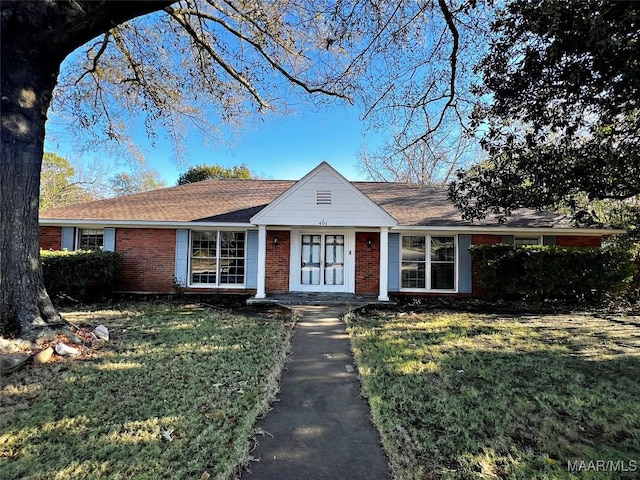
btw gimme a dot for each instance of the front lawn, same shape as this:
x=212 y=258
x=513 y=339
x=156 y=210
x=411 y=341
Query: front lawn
x=175 y=393
x=468 y=396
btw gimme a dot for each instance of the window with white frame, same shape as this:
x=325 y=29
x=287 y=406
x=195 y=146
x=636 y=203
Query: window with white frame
x=526 y=241
x=217 y=258
x=428 y=262
x=90 y=239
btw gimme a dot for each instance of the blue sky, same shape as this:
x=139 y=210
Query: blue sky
x=286 y=147
x=277 y=146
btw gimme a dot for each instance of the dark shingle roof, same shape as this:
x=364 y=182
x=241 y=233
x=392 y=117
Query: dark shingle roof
x=238 y=200
x=419 y=205
x=210 y=200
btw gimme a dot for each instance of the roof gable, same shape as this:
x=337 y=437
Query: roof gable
x=323 y=197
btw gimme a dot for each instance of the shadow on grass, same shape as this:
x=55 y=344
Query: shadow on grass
x=171 y=396
x=513 y=400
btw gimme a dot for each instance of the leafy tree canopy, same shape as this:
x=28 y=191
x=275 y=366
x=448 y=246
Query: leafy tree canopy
x=561 y=117
x=59 y=184
x=124 y=183
x=202 y=172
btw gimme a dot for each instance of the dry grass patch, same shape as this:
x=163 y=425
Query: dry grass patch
x=175 y=393
x=463 y=396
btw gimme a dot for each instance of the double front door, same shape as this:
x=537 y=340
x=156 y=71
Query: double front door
x=322 y=263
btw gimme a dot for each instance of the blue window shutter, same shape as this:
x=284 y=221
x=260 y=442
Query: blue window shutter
x=68 y=238
x=394 y=263
x=508 y=239
x=251 y=279
x=549 y=240
x=464 y=264
x=109 y=240
x=182 y=257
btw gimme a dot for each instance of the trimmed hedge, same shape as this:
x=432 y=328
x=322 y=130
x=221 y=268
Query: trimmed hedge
x=553 y=273
x=83 y=275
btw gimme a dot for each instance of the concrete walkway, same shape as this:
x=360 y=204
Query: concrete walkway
x=320 y=426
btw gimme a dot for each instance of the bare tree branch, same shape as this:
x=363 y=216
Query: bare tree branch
x=291 y=78
x=254 y=24
x=453 y=60
x=135 y=66
x=96 y=58
x=214 y=55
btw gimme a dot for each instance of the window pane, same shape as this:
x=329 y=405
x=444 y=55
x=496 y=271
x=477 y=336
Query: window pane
x=334 y=249
x=413 y=275
x=413 y=249
x=232 y=258
x=442 y=276
x=442 y=249
x=91 y=239
x=310 y=275
x=204 y=264
x=203 y=270
x=526 y=241
x=334 y=275
x=203 y=244
x=310 y=260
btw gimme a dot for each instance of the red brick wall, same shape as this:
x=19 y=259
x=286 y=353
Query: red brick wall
x=367 y=263
x=148 y=259
x=567 y=241
x=277 y=263
x=485 y=239
x=51 y=238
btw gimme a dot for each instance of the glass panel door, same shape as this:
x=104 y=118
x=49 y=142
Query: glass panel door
x=310 y=260
x=334 y=260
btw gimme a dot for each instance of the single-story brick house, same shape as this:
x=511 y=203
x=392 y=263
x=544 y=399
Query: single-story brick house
x=321 y=233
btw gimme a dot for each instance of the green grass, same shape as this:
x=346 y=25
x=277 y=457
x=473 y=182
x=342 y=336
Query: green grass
x=199 y=379
x=462 y=396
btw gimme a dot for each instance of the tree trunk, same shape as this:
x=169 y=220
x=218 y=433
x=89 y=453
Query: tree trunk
x=27 y=82
x=35 y=37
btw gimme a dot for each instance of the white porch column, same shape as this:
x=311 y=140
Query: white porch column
x=262 y=260
x=384 y=264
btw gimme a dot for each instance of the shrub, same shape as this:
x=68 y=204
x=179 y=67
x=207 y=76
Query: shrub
x=543 y=272
x=84 y=275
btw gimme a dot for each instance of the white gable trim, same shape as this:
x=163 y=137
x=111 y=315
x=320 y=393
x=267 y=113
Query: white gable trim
x=304 y=204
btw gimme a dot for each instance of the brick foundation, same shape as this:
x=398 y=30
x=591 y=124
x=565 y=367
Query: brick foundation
x=367 y=263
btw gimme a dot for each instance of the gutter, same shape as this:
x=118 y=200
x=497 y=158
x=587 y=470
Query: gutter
x=468 y=229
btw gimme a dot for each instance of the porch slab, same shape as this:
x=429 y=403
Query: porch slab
x=308 y=298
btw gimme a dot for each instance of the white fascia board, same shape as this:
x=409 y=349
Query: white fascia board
x=250 y=226
x=585 y=232
x=52 y=222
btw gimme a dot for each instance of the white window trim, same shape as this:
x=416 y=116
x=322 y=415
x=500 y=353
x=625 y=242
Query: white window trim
x=216 y=286
x=428 y=236
x=78 y=232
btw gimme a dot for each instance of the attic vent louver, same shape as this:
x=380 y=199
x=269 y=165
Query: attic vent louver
x=323 y=197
